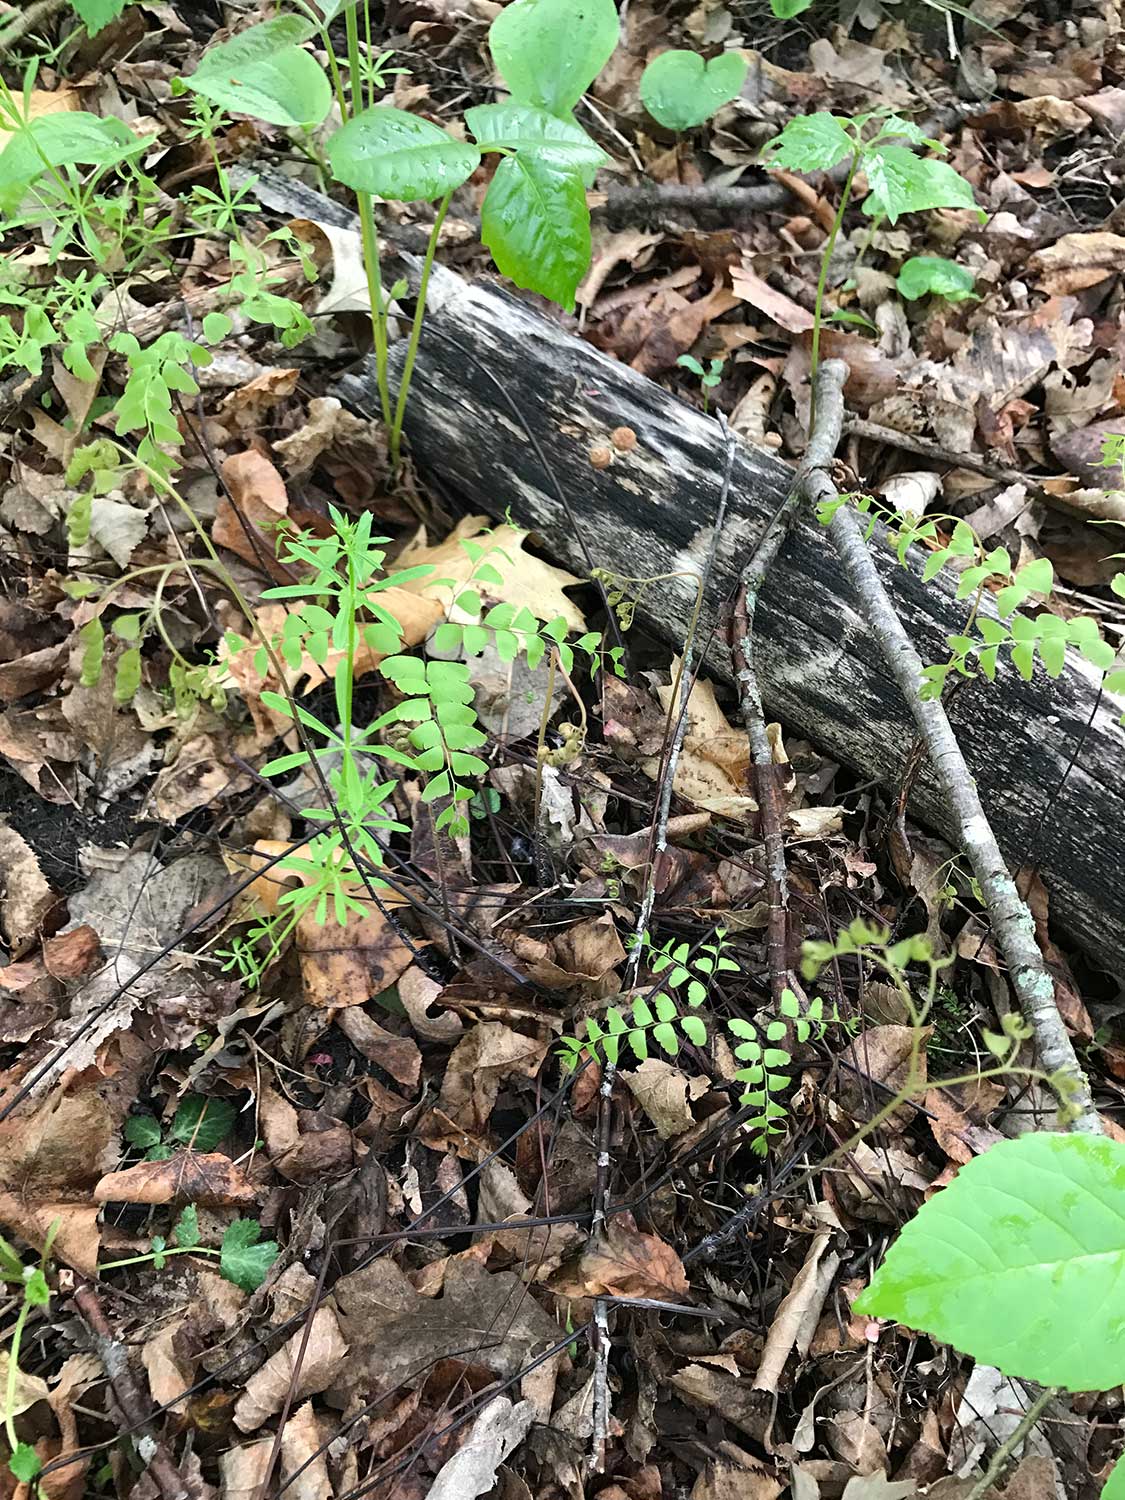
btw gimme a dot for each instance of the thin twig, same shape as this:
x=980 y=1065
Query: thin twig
x=134 y=1405
x=909 y=442
x=1011 y=920
x=1010 y=1444
x=35 y=15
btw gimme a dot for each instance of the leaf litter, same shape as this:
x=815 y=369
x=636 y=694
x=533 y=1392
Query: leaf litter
x=420 y=1041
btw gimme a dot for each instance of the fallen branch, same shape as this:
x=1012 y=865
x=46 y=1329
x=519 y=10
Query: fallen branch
x=1012 y=922
x=134 y=1406
x=909 y=442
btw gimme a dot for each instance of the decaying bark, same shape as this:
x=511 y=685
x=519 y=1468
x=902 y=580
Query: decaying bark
x=487 y=360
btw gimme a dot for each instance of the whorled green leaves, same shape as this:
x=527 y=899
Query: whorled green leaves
x=550 y=51
x=1020 y=1262
x=394 y=154
x=264 y=71
x=680 y=90
x=536 y=223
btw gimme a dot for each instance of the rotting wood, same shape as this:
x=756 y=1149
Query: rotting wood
x=821 y=673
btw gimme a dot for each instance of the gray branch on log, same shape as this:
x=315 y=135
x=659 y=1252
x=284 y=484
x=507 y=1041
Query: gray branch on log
x=821 y=672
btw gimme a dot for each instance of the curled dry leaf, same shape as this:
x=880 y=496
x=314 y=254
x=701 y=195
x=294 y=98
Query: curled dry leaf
x=397 y=1055
x=25 y=896
x=303 y=1440
x=267 y=1388
x=51 y=1156
x=1077 y=261
x=499 y=1429
x=258 y=495
x=418 y=992
x=485 y=1057
x=662 y=1091
x=527 y=581
x=207 y=1178
x=625 y=1262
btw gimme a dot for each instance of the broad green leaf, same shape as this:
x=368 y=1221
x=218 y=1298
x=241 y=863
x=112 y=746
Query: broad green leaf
x=70 y=138
x=95 y=14
x=1019 y=1262
x=785 y=10
x=201 y=1122
x=24 y=1462
x=142 y=1130
x=902 y=182
x=923 y=274
x=245 y=1257
x=265 y=72
x=679 y=89
x=523 y=127
x=550 y=51
x=536 y=224
x=1114 y=1487
x=811 y=143
x=394 y=154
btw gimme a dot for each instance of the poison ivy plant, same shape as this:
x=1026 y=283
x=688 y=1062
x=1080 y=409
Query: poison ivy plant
x=933 y=275
x=550 y=51
x=1020 y=1262
x=680 y=89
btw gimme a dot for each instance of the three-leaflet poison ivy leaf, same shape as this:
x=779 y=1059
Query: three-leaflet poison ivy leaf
x=394 y=154
x=680 y=90
x=1020 y=1262
x=535 y=222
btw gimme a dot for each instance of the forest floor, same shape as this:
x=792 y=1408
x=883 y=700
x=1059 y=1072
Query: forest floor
x=275 y=1198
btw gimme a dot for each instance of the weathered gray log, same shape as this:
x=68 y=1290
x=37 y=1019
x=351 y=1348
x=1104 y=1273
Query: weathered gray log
x=650 y=512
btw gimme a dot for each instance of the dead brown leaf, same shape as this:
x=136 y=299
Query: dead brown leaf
x=396 y=1335
x=874 y=1067
x=51 y=1156
x=25 y=896
x=268 y=1388
x=625 y=1262
x=1077 y=261
x=731 y=1396
x=205 y=1177
x=725 y=1482
x=257 y=492
x=304 y=1454
x=663 y=1093
x=786 y=313
x=344 y=966
x=485 y=1057
x=397 y=1055
x=243 y=411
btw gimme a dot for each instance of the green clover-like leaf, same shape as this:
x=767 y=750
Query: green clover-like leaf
x=550 y=51
x=679 y=89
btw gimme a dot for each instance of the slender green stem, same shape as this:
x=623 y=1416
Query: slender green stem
x=368 y=233
x=416 y=332
x=825 y=262
x=13 y=1376
x=140 y=1260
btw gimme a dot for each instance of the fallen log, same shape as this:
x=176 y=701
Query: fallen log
x=486 y=360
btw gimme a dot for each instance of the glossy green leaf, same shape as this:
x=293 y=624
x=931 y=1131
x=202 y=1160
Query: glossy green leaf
x=679 y=89
x=537 y=226
x=96 y=14
x=394 y=154
x=811 y=143
x=264 y=71
x=550 y=51
x=934 y=275
x=202 y=1122
x=902 y=182
x=1019 y=1262
x=523 y=127
x=245 y=1257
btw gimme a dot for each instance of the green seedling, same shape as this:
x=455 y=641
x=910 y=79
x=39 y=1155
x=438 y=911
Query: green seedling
x=680 y=90
x=244 y=1257
x=31 y=1281
x=933 y=275
x=709 y=378
x=199 y=1124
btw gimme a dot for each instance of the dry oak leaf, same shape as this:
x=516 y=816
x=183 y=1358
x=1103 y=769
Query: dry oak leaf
x=50 y=1159
x=662 y=1091
x=397 y=1055
x=396 y=1335
x=25 y=896
x=625 y=1262
x=879 y=1056
x=304 y=1455
x=1077 y=261
x=487 y=1055
x=207 y=1178
x=347 y=965
x=268 y=1388
x=526 y=580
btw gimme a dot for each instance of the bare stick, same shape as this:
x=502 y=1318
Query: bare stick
x=1011 y=921
x=134 y=1405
